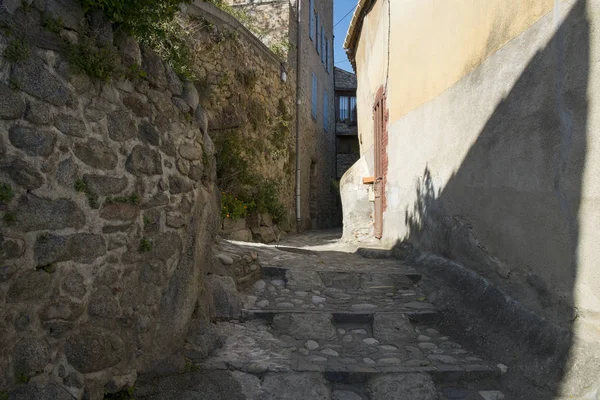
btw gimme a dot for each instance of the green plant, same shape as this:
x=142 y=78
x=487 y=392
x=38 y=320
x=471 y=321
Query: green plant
x=96 y=62
x=147 y=220
x=6 y=193
x=234 y=208
x=281 y=48
x=43 y=237
x=122 y=395
x=48 y=268
x=153 y=24
x=3 y=396
x=9 y=217
x=145 y=245
x=53 y=24
x=247 y=78
x=245 y=18
x=133 y=199
x=17 y=50
x=23 y=378
x=80 y=186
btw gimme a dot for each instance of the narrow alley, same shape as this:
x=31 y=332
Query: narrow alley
x=325 y=323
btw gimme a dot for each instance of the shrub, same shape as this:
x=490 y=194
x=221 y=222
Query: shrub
x=234 y=208
x=17 y=50
x=6 y=193
x=99 y=63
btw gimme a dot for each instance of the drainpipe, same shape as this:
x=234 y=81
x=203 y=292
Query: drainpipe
x=298 y=106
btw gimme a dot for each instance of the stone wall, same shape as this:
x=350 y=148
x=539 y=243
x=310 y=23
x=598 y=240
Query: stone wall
x=246 y=99
x=109 y=210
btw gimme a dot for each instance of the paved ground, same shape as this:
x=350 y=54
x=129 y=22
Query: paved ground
x=325 y=323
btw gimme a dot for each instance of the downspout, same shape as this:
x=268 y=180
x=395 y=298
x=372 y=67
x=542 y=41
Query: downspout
x=298 y=106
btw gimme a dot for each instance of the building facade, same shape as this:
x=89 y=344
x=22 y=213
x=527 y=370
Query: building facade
x=478 y=124
x=319 y=205
x=346 y=128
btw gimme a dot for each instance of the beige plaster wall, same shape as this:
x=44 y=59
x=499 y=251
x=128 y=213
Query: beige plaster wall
x=494 y=157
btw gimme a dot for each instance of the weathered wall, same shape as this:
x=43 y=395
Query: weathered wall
x=492 y=151
x=320 y=205
x=272 y=20
x=107 y=231
x=241 y=86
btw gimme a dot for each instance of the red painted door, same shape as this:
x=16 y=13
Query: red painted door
x=378 y=186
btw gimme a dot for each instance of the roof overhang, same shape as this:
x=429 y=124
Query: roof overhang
x=354 y=30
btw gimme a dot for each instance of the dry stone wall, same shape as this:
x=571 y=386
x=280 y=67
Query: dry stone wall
x=248 y=103
x=109 y=210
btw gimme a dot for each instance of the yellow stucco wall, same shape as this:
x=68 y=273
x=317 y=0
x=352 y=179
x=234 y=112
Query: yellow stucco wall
x=435 y=43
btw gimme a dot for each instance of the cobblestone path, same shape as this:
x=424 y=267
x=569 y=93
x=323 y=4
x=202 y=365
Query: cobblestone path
x=325 y=323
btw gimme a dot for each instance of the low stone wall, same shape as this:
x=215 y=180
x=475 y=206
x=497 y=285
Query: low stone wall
x=258 y=227
x=109 y=211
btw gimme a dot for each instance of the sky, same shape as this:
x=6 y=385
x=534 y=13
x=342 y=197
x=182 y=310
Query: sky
x=340 y=9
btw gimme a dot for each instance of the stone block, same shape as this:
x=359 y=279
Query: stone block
x=36 y=213
x=34 y=142
x=119 y=211
x=148 y=133
x=121 y=126
x=12 y=105
x=30 y=356
x=23 y=174
x=144 y=161
x=190 y=95
x=243 y=235
x=152 y=64
x=31 y=285
x=32 y=77
x=70 y=125
x=263 y=234
x=92 y=349
x=225 y=297
x=96 y=154
x=105 y=185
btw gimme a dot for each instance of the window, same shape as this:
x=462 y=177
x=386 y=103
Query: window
x=313 y=111
x=311 y=20
x=326 y=54
x=318 y=40
x=346 y=112
x=325 y=111
x=330 y=63
x=322 y=44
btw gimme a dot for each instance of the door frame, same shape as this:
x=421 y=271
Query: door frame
x=380 y=117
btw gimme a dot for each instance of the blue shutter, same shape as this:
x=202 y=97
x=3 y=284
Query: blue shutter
x=322 y=44
x=330 y=63
x=326 y=54
x=325 y=111
x=317 y=41
x=311 y=20
x=314 y=96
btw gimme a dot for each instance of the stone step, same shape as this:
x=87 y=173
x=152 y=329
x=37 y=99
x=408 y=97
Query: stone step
x=237 y=385
x=271 y=268
x=344 y=349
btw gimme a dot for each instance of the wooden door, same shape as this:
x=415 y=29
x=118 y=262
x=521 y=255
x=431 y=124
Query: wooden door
x=378 y=186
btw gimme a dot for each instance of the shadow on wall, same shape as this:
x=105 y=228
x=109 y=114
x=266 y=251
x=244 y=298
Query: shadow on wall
x=510 y=213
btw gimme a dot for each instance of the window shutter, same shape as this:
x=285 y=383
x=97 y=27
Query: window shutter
x=322 y=44
x=314 y=96
x=311 y=20
x=317 y=41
